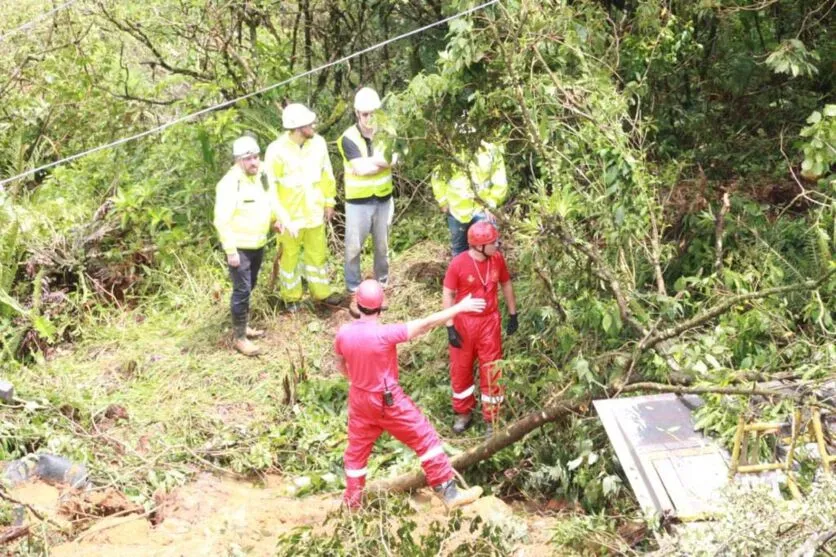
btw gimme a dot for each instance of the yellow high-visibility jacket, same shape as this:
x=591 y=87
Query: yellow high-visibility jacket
x=485 y=184
x=362 y=187
x=245 y=207
x=303 y=179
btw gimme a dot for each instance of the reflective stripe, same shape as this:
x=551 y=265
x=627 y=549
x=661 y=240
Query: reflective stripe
x=356 y=473
x=291 y=284
x=316 y=270
x=288 y=274
x=465 y=393
x=351 y=179
x=318 y=280
x=432 y=453
x=492 y=399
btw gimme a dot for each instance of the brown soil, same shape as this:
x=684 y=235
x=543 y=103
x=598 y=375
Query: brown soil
x=216 y=516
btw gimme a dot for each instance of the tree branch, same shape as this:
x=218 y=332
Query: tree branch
x=134 y=31
x=724 y=306
x=701 y=390
x=719 y=227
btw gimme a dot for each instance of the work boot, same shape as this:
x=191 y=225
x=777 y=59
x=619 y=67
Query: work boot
x=462 y=422
x=453 y=497
x=246 y=347
x=254 y=333
x=292 y=307
x=333 y=299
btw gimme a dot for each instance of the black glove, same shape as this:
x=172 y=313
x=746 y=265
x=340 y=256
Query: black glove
x=453 y=337
x=512 y=325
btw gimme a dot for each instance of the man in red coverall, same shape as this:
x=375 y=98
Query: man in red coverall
x=480 y=271
x=366 y=352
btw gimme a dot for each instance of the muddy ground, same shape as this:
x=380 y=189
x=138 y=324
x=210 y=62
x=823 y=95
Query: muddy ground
x=220 y=516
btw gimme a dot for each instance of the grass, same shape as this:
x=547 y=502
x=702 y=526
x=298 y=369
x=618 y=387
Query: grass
x=154 y=392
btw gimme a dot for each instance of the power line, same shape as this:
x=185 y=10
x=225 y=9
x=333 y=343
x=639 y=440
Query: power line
x=37 y=19
x=248 y=95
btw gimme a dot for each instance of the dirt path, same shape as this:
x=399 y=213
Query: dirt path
x=214 y=516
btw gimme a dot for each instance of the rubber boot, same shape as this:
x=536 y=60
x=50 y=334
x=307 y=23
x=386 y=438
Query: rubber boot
x=453 y=497
x=462 y=422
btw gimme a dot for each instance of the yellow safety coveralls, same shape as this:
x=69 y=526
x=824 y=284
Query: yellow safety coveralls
x=305 y=186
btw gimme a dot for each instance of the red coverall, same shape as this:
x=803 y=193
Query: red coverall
x=481 y=334
x=370 y=352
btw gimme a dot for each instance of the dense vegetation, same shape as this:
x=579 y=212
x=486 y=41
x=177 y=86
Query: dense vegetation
x=672 y=219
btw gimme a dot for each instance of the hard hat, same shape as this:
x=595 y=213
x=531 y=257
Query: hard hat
x=369 y=295
x=366 y=100
x=245 y=145
x=482 y=233
x=296 y=115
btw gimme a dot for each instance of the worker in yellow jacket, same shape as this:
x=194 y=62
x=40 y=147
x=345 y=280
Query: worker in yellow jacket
x=299 y=169
x=469 y=197
x=245 y=209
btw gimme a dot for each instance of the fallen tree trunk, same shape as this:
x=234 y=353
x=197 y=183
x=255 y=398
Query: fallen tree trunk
x=503 y=438
x=519 y=429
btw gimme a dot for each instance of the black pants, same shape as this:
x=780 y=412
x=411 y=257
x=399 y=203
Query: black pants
x=244 y=277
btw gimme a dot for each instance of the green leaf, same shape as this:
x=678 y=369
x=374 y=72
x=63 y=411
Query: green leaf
x=606 y=322
x=611 y=484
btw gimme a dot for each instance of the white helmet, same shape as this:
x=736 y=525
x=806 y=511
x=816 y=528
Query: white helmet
x=297 y=115
x=245 y=145
x=366 y=100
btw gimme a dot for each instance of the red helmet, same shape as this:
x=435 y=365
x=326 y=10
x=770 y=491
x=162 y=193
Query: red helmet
x=369 y=294
x=482 y=233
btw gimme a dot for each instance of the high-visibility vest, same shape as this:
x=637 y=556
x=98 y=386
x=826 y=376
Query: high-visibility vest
x=244 y=210
x=361 y=187
x=302 y=177
x=484 y=184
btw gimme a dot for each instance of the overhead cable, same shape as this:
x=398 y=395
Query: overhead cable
x=37 y=19
x=248 y=95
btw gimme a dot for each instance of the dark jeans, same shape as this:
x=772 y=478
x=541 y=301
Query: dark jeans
x=458 y=231
x=244 y=277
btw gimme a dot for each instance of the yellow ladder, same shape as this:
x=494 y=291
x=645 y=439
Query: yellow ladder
x=748 y=452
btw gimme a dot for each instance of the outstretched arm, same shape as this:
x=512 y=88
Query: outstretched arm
x=418 y=327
